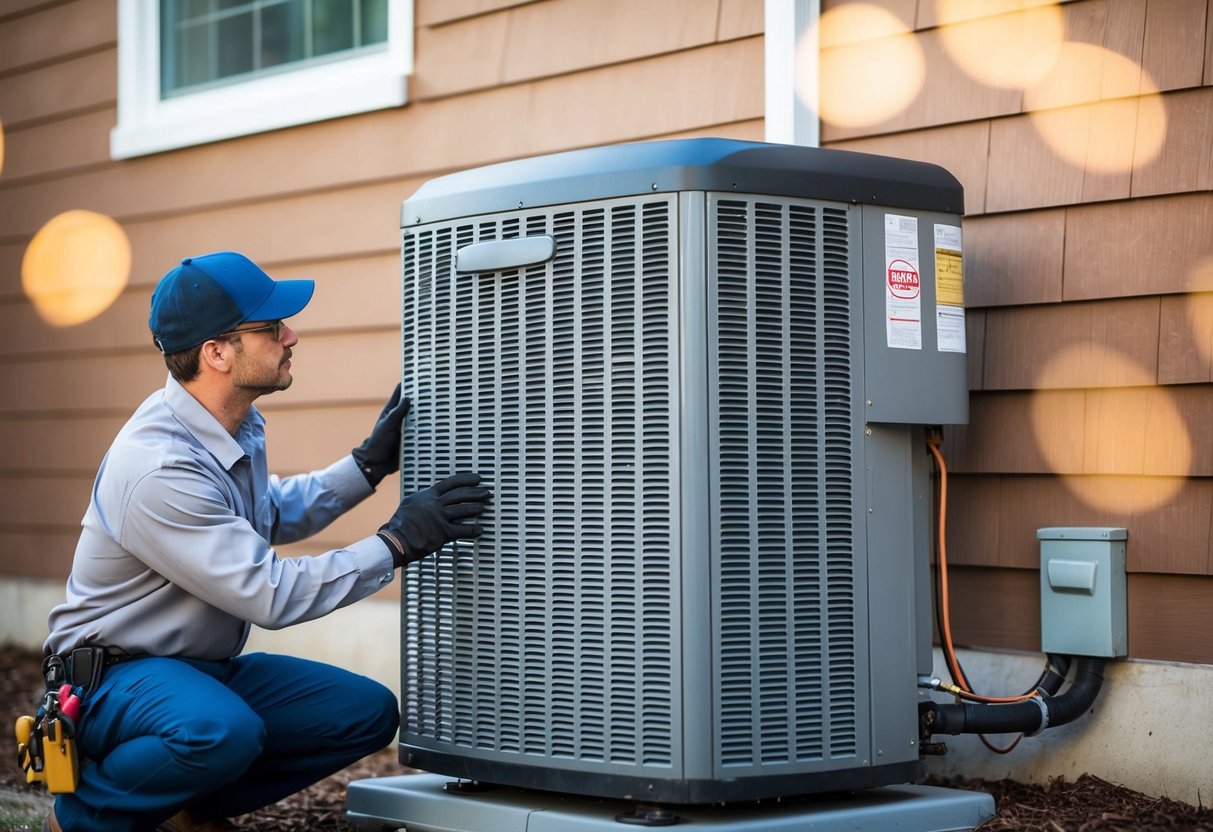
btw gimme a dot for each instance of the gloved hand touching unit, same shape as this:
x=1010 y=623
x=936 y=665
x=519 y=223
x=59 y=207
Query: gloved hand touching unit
x=431 y=518
x=379 y=455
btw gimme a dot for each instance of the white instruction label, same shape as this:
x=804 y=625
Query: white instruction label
x=903 y=283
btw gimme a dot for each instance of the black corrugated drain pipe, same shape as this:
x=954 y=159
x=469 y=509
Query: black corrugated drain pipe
x=1029 y=717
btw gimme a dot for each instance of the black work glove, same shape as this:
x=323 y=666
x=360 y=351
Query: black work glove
x=433 y=517
x=379 y=455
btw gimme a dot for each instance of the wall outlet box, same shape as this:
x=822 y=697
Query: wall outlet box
x=1082 y=591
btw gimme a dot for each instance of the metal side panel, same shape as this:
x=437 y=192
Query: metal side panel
x=892 y=589
x=553 y=641
x=788 y=567
x=925 y=525
x=699 y=598
x=915 y=366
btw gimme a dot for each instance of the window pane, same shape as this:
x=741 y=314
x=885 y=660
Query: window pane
x=194 y=55
x=194 y=8
x=374 y=21
x=332 y=26
x=203 y=41
x=282 y=39
x=235 y=43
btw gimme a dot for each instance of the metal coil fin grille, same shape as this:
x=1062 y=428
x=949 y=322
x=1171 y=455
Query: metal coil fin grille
x=786 y=628
x=551 y=637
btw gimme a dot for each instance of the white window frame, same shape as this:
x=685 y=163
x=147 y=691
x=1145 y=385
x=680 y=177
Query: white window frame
x=331 y=89
x=788 y=119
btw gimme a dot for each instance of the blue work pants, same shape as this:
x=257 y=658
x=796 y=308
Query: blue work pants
x=217 y=738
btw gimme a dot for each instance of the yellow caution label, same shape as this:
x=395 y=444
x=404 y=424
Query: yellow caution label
x=949 y=277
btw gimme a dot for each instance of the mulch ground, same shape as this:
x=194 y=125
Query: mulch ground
x=1087 y=805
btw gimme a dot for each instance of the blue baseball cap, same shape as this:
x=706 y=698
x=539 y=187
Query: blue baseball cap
x=215 y=293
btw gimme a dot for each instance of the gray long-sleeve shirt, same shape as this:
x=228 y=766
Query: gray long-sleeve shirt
x=175 y=556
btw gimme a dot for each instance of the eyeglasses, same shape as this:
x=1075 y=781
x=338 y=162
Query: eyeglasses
x=275 y=329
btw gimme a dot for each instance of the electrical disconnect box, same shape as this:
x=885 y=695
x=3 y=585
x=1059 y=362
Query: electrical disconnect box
x=1082 y=591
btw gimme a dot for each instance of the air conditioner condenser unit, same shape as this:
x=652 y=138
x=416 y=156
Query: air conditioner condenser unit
x=696 y=376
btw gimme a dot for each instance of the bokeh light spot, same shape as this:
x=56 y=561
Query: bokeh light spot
x=1125 y=499
x=870 y=66
x=1198 y=312
x=956 y=11
x=1009 y=50
x=1087 y=364
x=1119 y=430
x=1199 y=278
x=1084 y=73
x=75 y=267
x=1197 y=306
x=1090 y=131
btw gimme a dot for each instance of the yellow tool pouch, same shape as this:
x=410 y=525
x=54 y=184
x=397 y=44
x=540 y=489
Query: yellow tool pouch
x=46 y=749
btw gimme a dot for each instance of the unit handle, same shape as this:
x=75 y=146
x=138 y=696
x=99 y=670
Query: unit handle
x=497 y=255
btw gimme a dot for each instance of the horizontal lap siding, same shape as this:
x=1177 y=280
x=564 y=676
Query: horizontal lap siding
x=319 y=201
x=77 y=142
x=312 y=434
x=1159 y=431
x=1185 y=348
x=1169 y=616
x=357 y=294
x=1090 y=305
x=51 y=506
x=499 y=49
x=993 y=518
x=53 y=91
x=57 y=32
x=636 y=100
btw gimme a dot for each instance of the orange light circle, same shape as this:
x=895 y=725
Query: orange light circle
x=1122 y=121
x=870 y=67
x=1198 y=308
x=75 y=267
x=1110 y=494
x=1114 y=439
x=1008 y=50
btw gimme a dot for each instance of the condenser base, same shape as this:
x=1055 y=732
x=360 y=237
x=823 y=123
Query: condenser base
x=435 y=803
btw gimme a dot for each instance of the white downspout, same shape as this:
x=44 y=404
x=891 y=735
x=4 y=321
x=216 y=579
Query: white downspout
x=791 y=118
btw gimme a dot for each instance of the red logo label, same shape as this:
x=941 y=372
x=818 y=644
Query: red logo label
x=903 y=280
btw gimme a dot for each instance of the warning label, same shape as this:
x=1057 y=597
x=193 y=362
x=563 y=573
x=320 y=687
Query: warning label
x=949 y=289
x=903 y=284
x=903 y=280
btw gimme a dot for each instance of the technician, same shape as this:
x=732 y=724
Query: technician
x=179 y=729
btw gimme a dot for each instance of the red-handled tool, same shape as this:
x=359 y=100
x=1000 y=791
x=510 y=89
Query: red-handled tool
x=69 y=703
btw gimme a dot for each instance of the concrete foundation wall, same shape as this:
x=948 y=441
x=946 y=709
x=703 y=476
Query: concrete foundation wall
x=1150 y=729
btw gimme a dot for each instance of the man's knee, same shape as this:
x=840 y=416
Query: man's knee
x=381 y=715
x=228 y=742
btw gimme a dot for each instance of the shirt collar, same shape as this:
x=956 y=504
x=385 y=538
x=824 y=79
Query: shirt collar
x=206 y=428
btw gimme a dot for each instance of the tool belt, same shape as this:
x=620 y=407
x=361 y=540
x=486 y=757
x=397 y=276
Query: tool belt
x=46 y=747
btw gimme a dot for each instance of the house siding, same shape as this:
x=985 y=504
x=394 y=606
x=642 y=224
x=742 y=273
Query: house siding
x=1091 y=322
x=493 y=81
